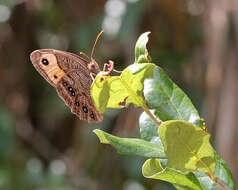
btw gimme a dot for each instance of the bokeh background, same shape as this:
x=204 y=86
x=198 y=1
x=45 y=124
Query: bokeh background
x=45 y=147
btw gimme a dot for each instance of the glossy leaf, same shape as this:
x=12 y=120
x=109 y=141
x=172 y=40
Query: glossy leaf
x=131 y=146
x=148 y=129
x=223 y=173
x=206 y=182
x=168 y=100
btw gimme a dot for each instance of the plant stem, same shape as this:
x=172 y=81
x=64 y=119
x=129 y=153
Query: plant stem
x=220 y=184
x=140 y=102
x=145 y=108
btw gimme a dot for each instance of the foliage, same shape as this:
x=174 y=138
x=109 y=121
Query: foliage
x=170 y=126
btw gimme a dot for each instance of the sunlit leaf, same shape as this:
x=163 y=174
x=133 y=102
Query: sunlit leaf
x=131 y=146
x=223 y=173
x=152 y=169
x=120 y=91
x=141 y=52
x=206 y=182
x=169 y=101
x=187 y=147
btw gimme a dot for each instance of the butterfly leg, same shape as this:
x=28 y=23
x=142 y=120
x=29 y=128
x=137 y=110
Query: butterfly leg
x=93 y=77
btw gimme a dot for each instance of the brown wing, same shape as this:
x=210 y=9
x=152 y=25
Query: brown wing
x=69 y=74
x=53 y=64
x=74 y=88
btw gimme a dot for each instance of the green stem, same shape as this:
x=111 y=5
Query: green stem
x=147 y=111
x=220 y=184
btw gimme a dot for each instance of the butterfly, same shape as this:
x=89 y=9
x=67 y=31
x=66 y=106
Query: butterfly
x=72 y=77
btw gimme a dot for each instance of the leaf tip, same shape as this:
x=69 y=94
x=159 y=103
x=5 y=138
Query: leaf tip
x=101 y=136
x=141 y=53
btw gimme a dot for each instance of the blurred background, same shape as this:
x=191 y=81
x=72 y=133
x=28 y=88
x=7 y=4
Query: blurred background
x=45 y=147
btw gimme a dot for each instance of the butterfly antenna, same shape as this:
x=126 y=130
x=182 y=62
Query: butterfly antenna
x=84 y=54
x=96 y=43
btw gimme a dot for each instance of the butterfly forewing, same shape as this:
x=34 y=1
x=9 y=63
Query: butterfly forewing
x=69 y=74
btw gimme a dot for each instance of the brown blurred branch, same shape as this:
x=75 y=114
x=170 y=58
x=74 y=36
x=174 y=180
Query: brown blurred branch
x=221 y=79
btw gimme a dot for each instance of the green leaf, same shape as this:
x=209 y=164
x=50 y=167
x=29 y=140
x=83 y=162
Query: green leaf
x=152 y=168
x=187 y=147
x=102 y=136
x=131 y=146
x=141 y=53
x=168 y=100
x=206 y=182
x=120 y=91
x=148 y=129
x=223 y=173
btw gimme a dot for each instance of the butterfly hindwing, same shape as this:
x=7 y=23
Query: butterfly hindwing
x=77 y=96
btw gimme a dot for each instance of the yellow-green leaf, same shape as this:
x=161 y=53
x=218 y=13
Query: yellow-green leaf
x=153 y=169
x=120 y=91
x=187 y=147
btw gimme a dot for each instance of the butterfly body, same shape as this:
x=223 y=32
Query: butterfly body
x=71 y=76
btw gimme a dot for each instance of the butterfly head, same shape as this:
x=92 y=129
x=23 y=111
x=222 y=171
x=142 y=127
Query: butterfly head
x=93 y=66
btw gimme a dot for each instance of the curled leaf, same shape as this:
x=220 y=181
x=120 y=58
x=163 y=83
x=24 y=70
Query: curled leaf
x=141 y=52
x=153 y=169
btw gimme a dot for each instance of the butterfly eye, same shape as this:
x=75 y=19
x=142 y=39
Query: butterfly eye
x=45 y=62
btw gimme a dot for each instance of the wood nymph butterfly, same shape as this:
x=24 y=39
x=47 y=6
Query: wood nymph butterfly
x=72 y=77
